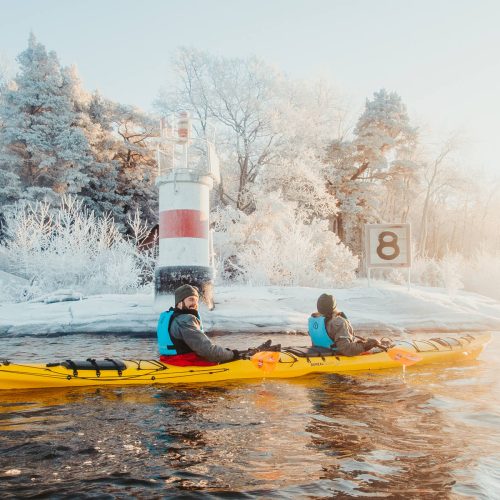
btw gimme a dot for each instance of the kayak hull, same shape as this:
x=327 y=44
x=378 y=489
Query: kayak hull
x=152 y=372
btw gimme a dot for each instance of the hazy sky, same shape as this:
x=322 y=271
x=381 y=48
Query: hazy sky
x=441 y=56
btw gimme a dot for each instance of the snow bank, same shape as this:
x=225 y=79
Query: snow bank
x=9 y=283
x=383 y=308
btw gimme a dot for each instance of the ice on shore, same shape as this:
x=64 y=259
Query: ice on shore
x=385 y=309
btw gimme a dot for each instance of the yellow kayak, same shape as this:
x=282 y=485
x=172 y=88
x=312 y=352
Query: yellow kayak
x=289 y=362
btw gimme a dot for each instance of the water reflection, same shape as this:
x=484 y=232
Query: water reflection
x=381 y=436
x=432 y=434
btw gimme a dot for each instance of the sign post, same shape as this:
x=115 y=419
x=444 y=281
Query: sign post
x=387 y=245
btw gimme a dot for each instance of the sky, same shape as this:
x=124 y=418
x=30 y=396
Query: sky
x=440 y=56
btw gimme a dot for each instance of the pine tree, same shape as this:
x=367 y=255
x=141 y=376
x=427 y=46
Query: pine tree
x=372 y=175
x=134 y=154
x=122 y=169
x=100 y=192
x=43 y=150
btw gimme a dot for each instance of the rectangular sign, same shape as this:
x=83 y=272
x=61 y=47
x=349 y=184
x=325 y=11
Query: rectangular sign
x=388 y=245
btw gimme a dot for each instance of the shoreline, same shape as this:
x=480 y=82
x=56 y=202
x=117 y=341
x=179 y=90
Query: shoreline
x=384 y=309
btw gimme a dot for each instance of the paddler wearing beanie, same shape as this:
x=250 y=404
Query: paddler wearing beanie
x=181 y=339
x=335 y=330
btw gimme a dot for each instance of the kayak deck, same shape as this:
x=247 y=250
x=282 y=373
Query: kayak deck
x=292 y=362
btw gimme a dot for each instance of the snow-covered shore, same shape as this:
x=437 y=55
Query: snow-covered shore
x=383 y=308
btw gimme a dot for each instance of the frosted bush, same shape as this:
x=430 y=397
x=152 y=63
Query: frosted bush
x=69 y=247
x=444 y=273
x=451 y=272
x=481 y=274
x=397 y=277
x=276 y=245
x=426 y=272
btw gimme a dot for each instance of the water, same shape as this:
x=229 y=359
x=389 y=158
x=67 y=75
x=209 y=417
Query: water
x=432 y=433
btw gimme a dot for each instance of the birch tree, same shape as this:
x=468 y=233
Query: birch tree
x=239 y=97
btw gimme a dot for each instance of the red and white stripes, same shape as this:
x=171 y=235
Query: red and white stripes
x=183 y=223
x=184 y=208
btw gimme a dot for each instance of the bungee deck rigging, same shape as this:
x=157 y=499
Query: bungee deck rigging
x=82 y=371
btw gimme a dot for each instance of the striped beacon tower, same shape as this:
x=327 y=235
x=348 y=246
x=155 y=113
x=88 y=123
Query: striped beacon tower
x=187 y=170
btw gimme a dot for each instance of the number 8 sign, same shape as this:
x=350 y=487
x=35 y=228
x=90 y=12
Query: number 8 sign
x=388 y=245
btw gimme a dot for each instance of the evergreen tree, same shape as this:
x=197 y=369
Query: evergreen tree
x=122 y=169
x=57 y=138
x=372 y=176
x=100 y=193
x=134 y=153
x=43 y=150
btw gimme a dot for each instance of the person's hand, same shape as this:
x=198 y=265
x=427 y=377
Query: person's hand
x=238 y=354
x=266 y=346
x=386 y=344
x=262 y=347
x=370 y=344
x=243 y=354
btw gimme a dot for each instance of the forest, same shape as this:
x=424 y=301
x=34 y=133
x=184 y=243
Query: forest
x=301 y=175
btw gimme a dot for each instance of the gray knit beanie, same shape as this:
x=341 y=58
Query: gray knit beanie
x=326 y=304
x=185 y=291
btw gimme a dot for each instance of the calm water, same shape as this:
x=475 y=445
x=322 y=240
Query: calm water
x=431 y=433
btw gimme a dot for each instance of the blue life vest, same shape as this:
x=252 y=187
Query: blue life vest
x=166 y=345
x=319 y=335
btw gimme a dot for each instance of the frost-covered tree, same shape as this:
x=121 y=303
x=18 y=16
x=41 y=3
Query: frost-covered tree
x=271 y=133
x=238 y=96
x=299 y=180
x=43 y=150
x=58 y=138
x=137 y=169
x=93 y=118
x=277 y=245
x=6 y=71
x=265 y=122
x=100 y=193
x=307 y=115
x=373 y=176
x=69 y=247
x=121 y=173
x=442 y=186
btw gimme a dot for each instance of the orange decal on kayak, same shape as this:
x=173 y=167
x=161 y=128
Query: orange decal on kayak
x=406 y=358
x=266 y=360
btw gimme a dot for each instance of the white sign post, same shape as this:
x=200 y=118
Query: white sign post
x=387 y=245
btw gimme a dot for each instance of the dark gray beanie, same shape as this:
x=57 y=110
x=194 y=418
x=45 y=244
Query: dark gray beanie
x=185 y=291
x=326 y=304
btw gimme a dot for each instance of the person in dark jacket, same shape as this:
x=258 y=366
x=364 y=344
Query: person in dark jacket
x=339 y=329
x=181 y=339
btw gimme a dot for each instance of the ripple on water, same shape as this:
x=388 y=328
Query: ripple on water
x=430 y=433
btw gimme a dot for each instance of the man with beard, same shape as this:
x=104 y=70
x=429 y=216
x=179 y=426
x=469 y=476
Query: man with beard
x=181 y=339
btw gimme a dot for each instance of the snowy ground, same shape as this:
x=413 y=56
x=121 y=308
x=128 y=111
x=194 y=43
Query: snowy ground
x=383 y=308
